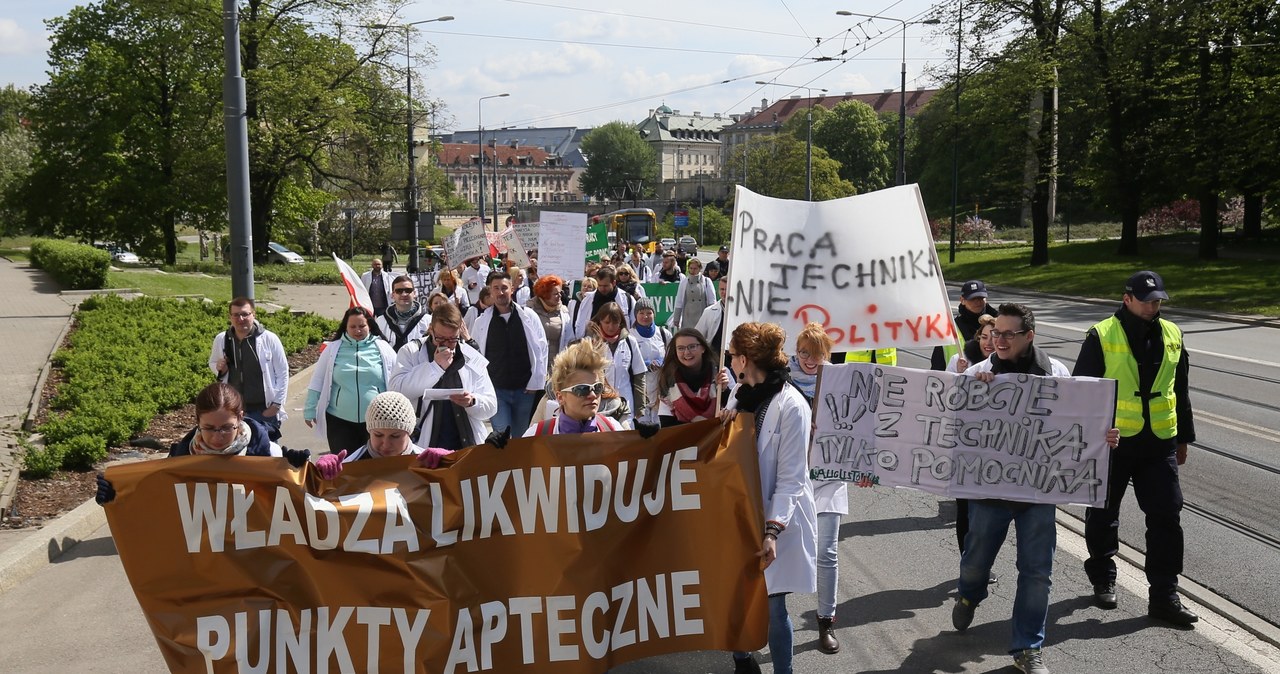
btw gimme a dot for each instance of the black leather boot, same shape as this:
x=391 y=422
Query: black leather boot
x=827 y=642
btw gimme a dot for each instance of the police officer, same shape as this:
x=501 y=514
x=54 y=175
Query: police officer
x=1146 y=356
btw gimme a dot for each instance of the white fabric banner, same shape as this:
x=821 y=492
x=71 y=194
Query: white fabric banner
x=1020 y=437
x=863 y=266
x=355 y=287
x=562 y=245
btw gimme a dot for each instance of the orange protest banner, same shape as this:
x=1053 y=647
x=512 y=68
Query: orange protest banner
x=565 y=553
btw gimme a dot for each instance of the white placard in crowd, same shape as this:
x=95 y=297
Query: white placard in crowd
x=514 y=247
x=528 y=233
x=472 y=242
x=863 y=266
x=562 y=245
x=1020 y=437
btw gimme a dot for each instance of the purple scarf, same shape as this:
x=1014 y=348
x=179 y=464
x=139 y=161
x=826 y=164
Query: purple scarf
x=567 y=424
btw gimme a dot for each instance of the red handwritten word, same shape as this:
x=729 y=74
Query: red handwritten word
x=915 y=329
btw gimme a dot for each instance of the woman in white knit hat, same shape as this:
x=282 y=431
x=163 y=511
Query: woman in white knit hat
x=390 y=420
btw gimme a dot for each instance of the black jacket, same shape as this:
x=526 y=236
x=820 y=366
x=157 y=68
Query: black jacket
x=1146 y=341
x=967 y=323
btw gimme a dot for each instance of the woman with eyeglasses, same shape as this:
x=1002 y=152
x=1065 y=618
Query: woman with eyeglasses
x=689 y=383
x=781 y=418
x=977 y=349
x=577 y=378
x=831 y=497
x=353 y=368
x=222 y=429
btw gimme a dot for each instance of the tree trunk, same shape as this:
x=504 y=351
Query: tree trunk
x=1252 y=227
x=1208 y=225
x=1130 y=211
x=1042 y=200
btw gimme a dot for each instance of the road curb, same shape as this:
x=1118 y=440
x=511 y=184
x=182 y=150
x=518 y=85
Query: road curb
x=1202 y=595
x=45 y=545
x=33 y=407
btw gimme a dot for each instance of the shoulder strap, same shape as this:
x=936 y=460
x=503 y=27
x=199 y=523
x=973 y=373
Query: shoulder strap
x=543 y=427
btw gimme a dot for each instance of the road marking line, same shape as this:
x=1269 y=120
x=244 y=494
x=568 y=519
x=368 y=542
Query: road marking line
x=1236 y=425
x=1198 y=352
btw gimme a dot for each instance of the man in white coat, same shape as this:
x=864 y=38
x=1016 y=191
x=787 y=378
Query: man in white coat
x=511 y=338
x=711 y=324
x=378 y=282
x=439 y=361
x=473 y=278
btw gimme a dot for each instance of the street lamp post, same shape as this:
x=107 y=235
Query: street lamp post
x=902 y=102
x=480 y=148
x=411 y=189
x=955 y=137
x=808 y=141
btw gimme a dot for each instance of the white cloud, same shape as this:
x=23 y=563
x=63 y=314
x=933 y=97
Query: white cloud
x=14 y=39
x=754 y=67
x=567 y=60
x=855 y=82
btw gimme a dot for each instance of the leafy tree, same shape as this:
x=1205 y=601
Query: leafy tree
x=776 y=168
x=853 y=135
x=16 y=147
x=616 y=153
x=716 y=225
x=127 y=144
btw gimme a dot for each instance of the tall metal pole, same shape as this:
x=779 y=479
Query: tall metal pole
x=411 y=192
x=236 y=133
x=808 y=149
x=495 y=183
x=480 y=148
x=955 y=137
x=902 y=102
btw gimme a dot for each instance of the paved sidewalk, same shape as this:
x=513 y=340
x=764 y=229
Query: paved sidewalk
x=32 y=317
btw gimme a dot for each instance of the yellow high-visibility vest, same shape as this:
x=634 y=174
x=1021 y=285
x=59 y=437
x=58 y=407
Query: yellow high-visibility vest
x=888 y=356
x=1162 y=403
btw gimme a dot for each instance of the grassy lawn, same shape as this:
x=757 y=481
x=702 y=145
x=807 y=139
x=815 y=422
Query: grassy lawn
x=217 y=288
x=1233 y=284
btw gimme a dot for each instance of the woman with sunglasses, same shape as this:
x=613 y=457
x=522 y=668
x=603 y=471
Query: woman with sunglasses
x=629 y=282
x=689 y=383
x=353 y=368
x=781 y=418
x=577 y=378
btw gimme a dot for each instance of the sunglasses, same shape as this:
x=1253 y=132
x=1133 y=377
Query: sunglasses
x=584 y=390
x=403 y=291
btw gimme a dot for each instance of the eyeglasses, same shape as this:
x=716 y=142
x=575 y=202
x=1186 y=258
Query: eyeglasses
x=219 y=430
x=584 y=390
x=1007 y=335
x=443 y=341
x=688 y=348
x=242 y=314
x=403 y=291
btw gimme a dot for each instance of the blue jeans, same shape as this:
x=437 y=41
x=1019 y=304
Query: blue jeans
x=1037 y=540
x=781 y=637
x=828 y=563
x=515 y=409
x=272 y=423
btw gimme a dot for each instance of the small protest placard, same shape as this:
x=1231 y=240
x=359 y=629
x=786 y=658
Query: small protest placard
x=513 y=245
x=472 y=241
x=562 y=242
x=1020 y=437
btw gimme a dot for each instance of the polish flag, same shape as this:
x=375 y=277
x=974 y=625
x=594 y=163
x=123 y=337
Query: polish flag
x=355 y=287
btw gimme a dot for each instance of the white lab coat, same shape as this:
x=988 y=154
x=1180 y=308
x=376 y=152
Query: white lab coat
x=367 y=279
x=415 y=373
x=322 y=378
x=584 y=306
x=535 y=337
x=274 y=363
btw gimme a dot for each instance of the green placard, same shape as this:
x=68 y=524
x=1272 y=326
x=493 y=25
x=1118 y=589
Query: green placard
x=663 y=296
x=597 y=241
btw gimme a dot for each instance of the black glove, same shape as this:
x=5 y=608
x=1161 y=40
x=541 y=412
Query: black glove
x=647 y=430
x=106 y=491
x=499 y=438
x=296 y=457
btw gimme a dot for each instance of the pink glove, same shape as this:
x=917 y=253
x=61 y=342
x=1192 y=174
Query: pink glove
x=430 y=457
x=330 y=465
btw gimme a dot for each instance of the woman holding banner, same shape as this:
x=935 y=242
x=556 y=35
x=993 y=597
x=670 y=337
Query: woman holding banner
x=831 y=497
x=390 y=419
x=578 y=381
x=688 y=383
x=781 y=419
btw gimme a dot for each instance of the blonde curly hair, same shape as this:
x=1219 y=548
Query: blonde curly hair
x=582 y=355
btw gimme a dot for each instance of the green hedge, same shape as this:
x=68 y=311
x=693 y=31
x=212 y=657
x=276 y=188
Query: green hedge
x=310 y=273
x=73 y=265
x=130 y=360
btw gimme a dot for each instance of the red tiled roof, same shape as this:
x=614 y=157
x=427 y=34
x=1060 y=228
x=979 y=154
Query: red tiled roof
x=887 y=101
x=465 y=154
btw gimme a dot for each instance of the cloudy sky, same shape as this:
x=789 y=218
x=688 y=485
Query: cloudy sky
x=586 y=62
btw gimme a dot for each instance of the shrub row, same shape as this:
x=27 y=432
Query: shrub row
x=73 y=265
x=311 y=273
x=129 y=360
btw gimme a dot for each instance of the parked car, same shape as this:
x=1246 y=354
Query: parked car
x=279 y=254
x=123 y=255
x=689 y=245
